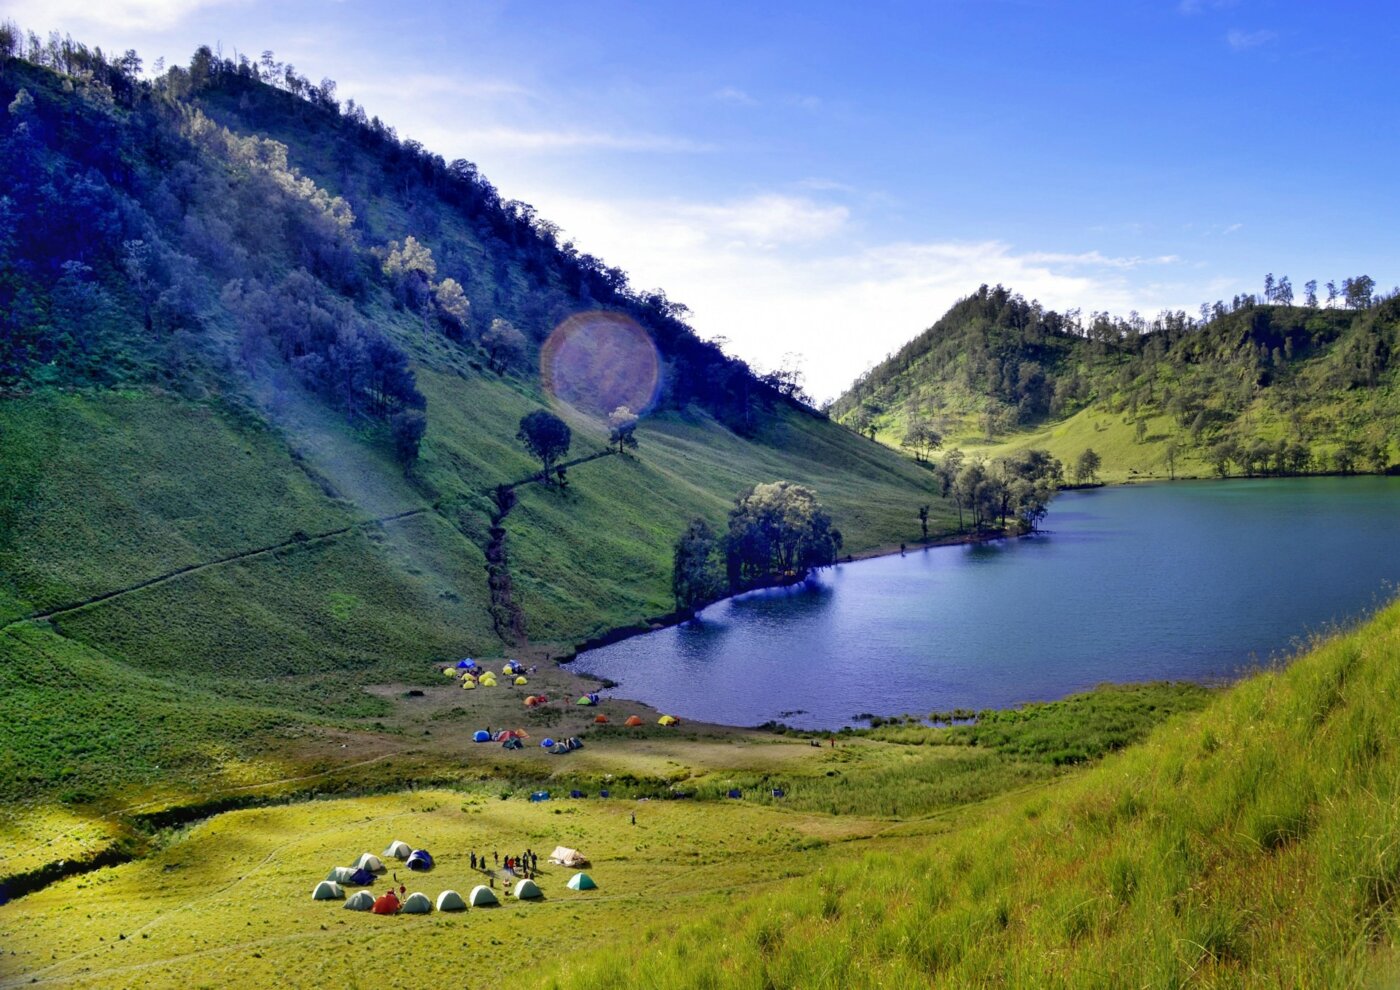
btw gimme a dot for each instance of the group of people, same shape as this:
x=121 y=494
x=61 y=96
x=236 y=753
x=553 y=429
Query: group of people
x=527 y=864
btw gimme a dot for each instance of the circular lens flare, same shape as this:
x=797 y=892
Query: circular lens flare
x=598 y=361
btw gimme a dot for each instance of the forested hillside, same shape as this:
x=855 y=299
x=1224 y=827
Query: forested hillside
x=263 y=366
x=1253 y=386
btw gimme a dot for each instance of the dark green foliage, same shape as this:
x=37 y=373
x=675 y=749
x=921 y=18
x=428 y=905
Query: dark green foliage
x=407 y=429
x=547 y=437
x=696 y=576
x=778 y=530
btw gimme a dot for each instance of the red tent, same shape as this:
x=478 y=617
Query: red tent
x=633 y=721
x=601 y=720
x=386 y=904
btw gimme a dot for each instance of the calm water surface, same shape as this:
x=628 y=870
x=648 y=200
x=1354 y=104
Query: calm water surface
x=1196 y=580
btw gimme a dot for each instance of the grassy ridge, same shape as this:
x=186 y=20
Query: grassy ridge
x=1256 y=844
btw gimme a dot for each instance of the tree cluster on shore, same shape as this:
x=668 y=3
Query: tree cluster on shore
x=776 y=532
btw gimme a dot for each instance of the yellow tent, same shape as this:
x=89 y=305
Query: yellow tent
x=521 y=680
x=668 y=720
x=450 y=671
x=468 y=684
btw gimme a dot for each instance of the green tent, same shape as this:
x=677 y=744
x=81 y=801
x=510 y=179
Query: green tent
x=582 y=881
x=450 y=900
x=328 y=890
x=482 y=896
x=361 y=900
x=417 y=904
x=527 y=890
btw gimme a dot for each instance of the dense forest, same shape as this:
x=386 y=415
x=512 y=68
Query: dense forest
x=1256 y=385
x=146 y=227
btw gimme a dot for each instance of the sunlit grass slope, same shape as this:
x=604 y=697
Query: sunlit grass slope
x=1255 y=844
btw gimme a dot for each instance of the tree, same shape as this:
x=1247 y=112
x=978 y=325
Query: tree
x=137 y=264
x=1310 y=288
x=1269 y=287
x=547 y=437
x=695 y=574
x=923 y=520
x=453 y=308
x=504 y=345
x=1283 y=293
x=778 y=530
x=1331 y=294
x=622 y=423
x=1358 y=291
x=922 y=439
x=1086 y=468
x=407 y=429
x=410 y=269
x=1171 y=452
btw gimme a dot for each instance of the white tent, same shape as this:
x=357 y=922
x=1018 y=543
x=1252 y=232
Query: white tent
x=341 y=874
x=527 y=890
x=565 y=856
x=397 y=850
x=371 y=862
x=450 y=900
x=482 y=896
x=361 y=900
x=417 y=904
x=328 y=890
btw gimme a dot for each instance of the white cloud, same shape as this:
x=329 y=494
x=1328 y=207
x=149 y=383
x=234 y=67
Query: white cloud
x=1244 y=40
x=548 y=141
x=65 y=15
x=733 y=94
x=778 y=275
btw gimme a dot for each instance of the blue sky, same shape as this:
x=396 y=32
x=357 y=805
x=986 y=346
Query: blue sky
x=823 y=179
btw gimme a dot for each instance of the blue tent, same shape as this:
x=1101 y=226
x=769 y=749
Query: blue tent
x=540 y=796
x=361 y=878
x=779 y=792
x=466 y=664
x=420 y=860
x=604 y=793
x=576 y=794
x=481 y=735
x=734 y=792
x=546 y=743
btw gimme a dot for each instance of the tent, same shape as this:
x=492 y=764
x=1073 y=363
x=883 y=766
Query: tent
x=341 y=874
x=371 y=862
x=450 y=900
x=386 y=904
x=482 y=896
x=468 y=684
x=417 y=903
x=467 y=664
x=361 y=900
x=361 y=877
x=527 y=890
x=593 y=697
x=540 y=796
x=668 y=720
x=420 y=861
x=328 y=890
x=582 y=881
x=481 y=735
x=520 y=680
x=585 y=700
x=450 y=671
x=734 y=792
x=397 y=850
x=576 y=793
x=633 y=721
x=575 y=742
x=546 y=743
x=512 y=744
x=600 y=720
x=565 y=856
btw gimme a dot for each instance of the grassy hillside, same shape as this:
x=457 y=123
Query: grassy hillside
x=1254 y=844
x=1255 y=389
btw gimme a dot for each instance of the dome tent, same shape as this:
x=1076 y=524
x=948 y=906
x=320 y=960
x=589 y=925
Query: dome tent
x=481 y=735
x=361 y=900
x=520 y=680
x=421 y=861
x=340 y=874
x=397 y=850
x=466 y=664
x=417 y=904
x=582 y=881
x=633 y=721
x=361 y=878
x=600 y=720
x=468 y=684
x=482 y=896
x=328 y=890
x=546 y=743
x=386 y=904
x=585 y=700
x=668 y=720
x=371 y=862
x=451 y=671
x=527 y=890
x=450 y=900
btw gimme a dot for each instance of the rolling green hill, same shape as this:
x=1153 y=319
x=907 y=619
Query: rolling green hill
x=1255 y=388
x=221 y=299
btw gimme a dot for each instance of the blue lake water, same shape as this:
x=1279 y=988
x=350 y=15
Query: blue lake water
x=1194 y=580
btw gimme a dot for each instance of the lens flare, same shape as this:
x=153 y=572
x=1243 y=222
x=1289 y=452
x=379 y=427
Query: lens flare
x=598 y=361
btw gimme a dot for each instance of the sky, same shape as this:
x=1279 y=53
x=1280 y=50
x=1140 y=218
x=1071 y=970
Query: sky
x=819 y=181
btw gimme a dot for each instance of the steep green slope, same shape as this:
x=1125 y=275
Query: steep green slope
x=1256 y=389
x=1254 y=844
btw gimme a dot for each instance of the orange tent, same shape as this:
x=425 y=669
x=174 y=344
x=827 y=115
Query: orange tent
x=633 y=721
x=386 y=904
x=601 y=720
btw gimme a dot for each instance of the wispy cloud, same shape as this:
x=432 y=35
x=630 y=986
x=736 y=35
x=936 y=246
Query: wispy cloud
x=1095 y=259
x=1244 y=40
x=435 y=86
x=735 y=95
x=147 y=15
x=551 y=141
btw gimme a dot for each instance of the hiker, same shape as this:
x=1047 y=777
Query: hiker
x=833 y=742
x=495 y=857
x=634 y=818
x=473 y=859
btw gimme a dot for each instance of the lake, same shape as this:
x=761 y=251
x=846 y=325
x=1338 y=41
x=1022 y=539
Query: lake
x=1188 y=581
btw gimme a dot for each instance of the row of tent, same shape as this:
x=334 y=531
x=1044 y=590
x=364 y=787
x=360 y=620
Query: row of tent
x=362 y=874
x=449 y=900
